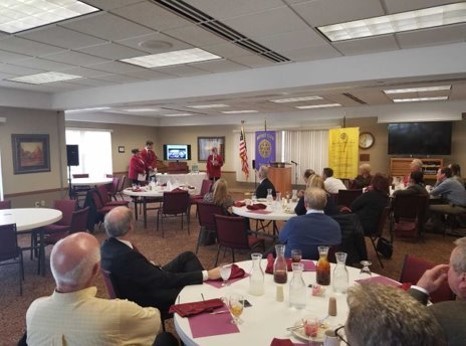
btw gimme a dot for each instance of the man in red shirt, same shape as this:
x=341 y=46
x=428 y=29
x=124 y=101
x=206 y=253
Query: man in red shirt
x=214 y=165
x=150 y=159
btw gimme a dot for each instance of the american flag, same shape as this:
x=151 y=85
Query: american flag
x=243 y=153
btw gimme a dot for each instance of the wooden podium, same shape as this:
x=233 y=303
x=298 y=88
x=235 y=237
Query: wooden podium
x=281 y=179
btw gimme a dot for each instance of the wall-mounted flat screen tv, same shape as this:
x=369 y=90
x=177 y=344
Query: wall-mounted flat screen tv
x=176 y=152
x=422 y=138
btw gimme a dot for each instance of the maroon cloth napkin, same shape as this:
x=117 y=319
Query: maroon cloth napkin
x=257 y=206
x=237 y=274
x=239 y=204
x=382 y=280
x=285 y=342
x=194 y=308
x=203 y=325
x=309 y=265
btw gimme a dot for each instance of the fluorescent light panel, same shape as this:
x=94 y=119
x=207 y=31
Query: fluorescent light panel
x=399 y=22
x=418 y=90
x=178 y=115
x=246 y=111
x=20 y=15
x=421 y=99
x=214 y=105
x=327 y=105
x=43 y=78
x=178 y=57
x=297 y=99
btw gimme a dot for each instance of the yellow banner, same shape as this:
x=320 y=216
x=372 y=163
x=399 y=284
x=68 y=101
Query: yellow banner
x=343 y=152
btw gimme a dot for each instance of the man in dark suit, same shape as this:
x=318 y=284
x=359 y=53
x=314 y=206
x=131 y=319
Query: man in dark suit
x=308 y=231
x=135 y=277
x=450 y=314
x=264 y=183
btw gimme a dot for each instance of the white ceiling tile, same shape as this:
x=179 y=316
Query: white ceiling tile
x=323 y=12
x=27 y=47
x=252 y=61
x=116 y=67
x=371 y=96
x=227 y=50
x=91 y=82
x=148 y=74
x=221 y=9
x=182 y=70
x=196 y=36
x=151 y=15
x=428 y=37
x=6 y=76
x=75 y=58
x=458 y=91
x=314 y=53
x=119 y=78
x=9 y=57
x=367 y=45
x=136 y=42
x=24 y=86
x=106 y=26
x=267 y=23
x=108 y=5
x=61 y=37
x=112 y=51
x=220 y=66
x=396 y=6
x=292 y=40
x=18 y=70
x=42 y=64
x=86 y=72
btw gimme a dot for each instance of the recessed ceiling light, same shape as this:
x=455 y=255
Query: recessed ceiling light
x=20 y=15
x=178 y=115
x=246 y=111
x=142 y=110
x=43 y=78
x=297 y=99
x=418 y=90
x=214 y=105
x=421 y=99
x=399 y=22
x=86 y=110
x=327 y=105
x=178 y=57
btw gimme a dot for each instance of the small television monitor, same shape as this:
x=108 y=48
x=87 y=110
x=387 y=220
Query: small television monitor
x=176 y=152
x=421 y=138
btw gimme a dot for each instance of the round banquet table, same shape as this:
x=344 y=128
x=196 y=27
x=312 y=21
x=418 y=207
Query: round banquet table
x=91 y=181
x=266 y=319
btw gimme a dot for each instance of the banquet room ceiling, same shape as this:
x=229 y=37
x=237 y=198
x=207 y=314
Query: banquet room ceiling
x=285 y=31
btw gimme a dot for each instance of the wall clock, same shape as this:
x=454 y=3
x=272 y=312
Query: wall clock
x=366 y=140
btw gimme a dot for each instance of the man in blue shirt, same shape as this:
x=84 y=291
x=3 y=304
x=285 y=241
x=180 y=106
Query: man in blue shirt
x=308 y=231
x=451 y=191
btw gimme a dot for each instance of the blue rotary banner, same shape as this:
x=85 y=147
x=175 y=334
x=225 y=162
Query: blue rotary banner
x=265 y=148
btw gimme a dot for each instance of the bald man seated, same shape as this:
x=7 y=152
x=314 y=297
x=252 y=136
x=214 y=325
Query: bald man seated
x=73 y=315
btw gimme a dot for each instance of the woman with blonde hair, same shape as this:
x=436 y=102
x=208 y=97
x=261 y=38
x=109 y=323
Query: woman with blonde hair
x=364 y=177
x=220 y=196
x=317 y=181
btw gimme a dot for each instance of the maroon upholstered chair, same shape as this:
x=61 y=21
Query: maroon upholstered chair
x=175 y=203
x=232 y=233
x=10 y=252
x=205 y=214
x=106 y=199
x=6 y=204
x=78 y=224
x=374 y=236
x=414 y=267
x=205 y=188
x=409 y=214
x=346 y=197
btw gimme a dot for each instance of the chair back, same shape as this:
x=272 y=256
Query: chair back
x=175 y=202
x=8 y=242
x=206 y=212
x=67 y=207
x=6 y=204
x=231 y=232
x=79 y=220
x=111 y=289
x=122 y=182
x=346 y=197
x=103 y=194
x=96 y=199
x=80 y=175
x=115 y=185
x=206 y=186
x=409 y=212
x=381 y=223
x=412 y=270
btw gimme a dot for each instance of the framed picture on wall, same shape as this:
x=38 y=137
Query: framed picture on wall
x=205 y=145
x=31 y=153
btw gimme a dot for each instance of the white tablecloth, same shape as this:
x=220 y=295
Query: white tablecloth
x=193 y=179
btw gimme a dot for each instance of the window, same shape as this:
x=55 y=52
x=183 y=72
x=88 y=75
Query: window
x=95 y=151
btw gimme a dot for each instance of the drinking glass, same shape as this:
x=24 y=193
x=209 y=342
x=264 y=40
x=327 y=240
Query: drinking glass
x=311 y=326
x=236 y=306
x=225 y=272
x=365 y=270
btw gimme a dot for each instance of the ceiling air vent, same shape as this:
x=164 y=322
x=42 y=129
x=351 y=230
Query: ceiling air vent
x=207 y=22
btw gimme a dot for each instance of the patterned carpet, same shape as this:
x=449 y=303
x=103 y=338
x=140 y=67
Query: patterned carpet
x=13 y=307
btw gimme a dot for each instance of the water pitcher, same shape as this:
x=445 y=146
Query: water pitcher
x=297 y=287
x=340 y=273
x=256 y=278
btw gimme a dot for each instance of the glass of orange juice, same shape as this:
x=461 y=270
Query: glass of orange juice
x=236 y=306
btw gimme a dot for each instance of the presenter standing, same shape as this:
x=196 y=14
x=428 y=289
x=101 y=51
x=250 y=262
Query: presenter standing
x=214 y=165
x=150 y=159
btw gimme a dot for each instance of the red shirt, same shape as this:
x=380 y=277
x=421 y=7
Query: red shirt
x=214 y=165
x=149 y=157
x=136 y=166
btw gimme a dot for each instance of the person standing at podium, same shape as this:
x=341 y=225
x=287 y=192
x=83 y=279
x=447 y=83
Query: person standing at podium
x=214 y=165
x=264 y=183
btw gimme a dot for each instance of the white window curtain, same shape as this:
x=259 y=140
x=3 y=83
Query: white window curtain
x=95 y=151
x=308 y=148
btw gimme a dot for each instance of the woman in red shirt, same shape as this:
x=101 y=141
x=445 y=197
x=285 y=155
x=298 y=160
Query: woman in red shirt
x=136 y=166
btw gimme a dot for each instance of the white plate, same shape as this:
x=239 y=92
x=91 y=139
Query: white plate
x=262 y=200
x=299 y=333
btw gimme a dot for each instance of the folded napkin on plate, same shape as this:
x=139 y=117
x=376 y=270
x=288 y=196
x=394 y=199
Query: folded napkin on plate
x=239 y=204
x=236 y=272
x=194 y=308
x=256 y=206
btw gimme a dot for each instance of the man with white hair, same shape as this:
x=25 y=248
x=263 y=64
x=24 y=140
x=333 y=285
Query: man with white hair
x=73 y=315
x=264 y=183
x=450 y=314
